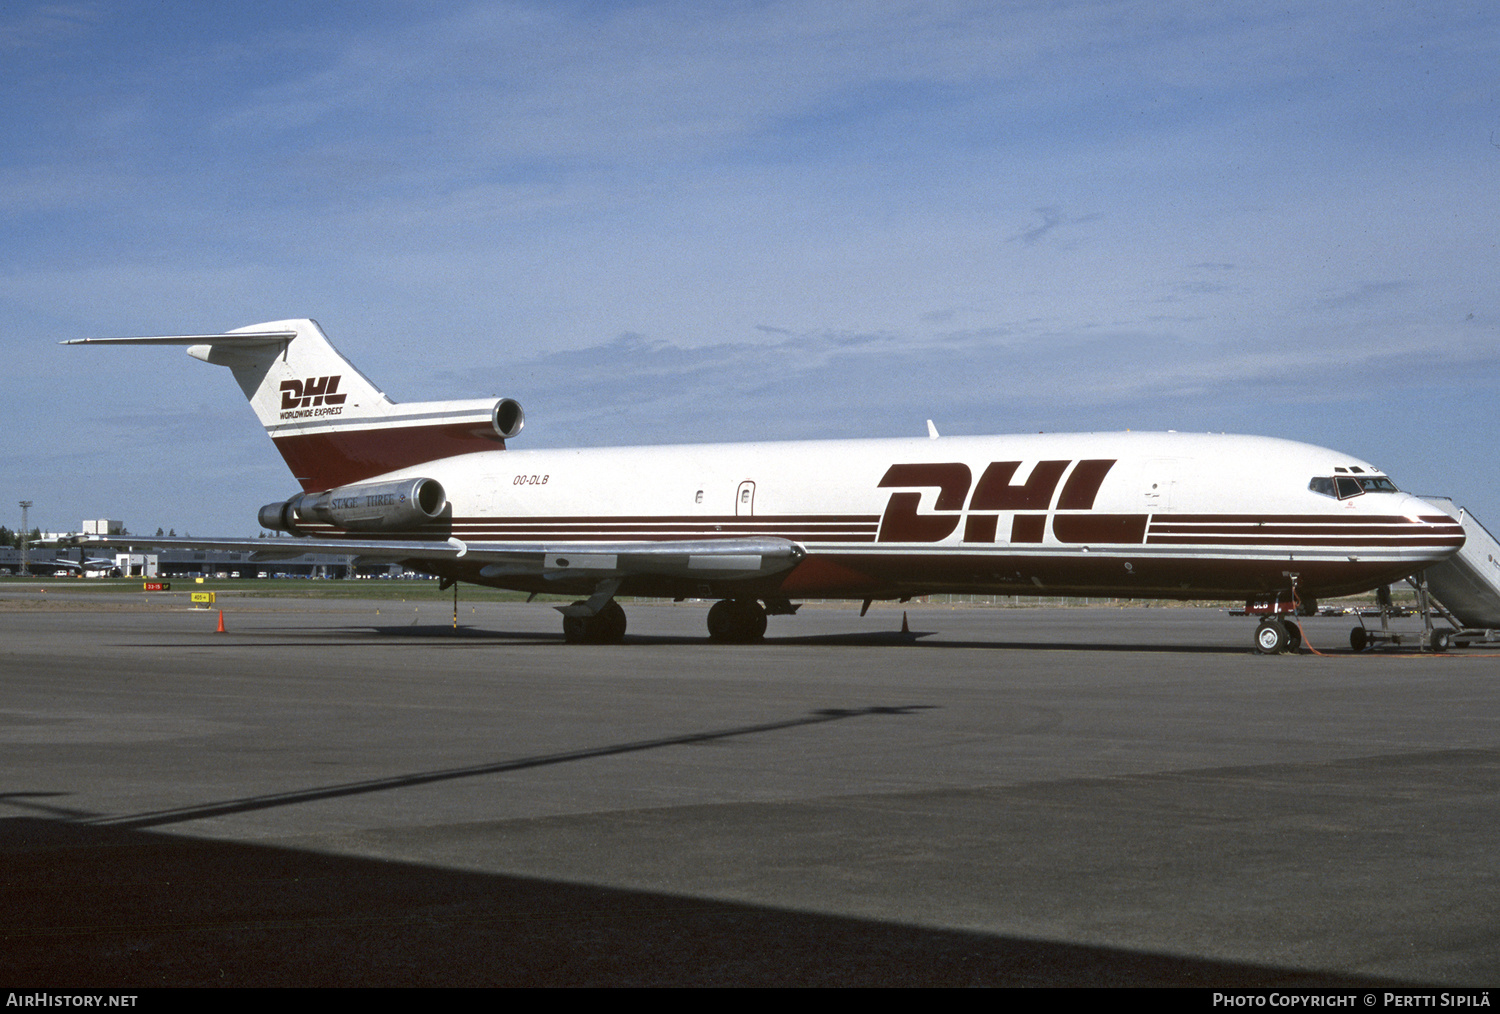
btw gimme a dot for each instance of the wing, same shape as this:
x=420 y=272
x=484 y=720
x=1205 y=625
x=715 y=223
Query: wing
x=702 y=560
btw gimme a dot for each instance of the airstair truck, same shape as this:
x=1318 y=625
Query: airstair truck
x=1467 y=585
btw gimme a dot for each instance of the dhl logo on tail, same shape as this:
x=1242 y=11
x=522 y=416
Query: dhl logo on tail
x=310 y=393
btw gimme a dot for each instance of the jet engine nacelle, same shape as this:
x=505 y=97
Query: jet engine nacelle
x=507 y=417
x=365 y=507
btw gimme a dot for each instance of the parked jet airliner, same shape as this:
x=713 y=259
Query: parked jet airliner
x=101 y=566
x=757 y=525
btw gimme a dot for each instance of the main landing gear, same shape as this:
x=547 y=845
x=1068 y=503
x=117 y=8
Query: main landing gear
x=607 y=626
x=736 y=621
x=732 y=621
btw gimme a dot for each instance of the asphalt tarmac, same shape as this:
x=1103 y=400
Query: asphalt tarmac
x=330 y=795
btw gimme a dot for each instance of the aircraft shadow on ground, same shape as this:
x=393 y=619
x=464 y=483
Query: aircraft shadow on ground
x=478 y=637
x=246 y=804
x=470 y=637
x=125 y=907
x=853 y=639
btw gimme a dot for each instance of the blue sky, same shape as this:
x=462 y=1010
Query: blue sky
x=660 y=222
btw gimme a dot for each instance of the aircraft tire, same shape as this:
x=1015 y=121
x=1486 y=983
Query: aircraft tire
x=575 y=628
x=1271 y=637
x=736 y=621
x=1293 y=635
x=605 y=627
x=609 y=625
x=1359 y=639
x=757 y=620
x=720 y=621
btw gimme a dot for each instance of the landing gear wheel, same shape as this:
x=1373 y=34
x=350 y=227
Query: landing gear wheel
x=1441 y=639
x=755 y=621
x=609 y=625
x=575 y=628
x=605 y=627
x=1359 y=639
x=1271 y=637
x=736 y=621
x=1293 y=635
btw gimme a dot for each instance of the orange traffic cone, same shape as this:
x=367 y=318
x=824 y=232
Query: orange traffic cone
x=221 y=621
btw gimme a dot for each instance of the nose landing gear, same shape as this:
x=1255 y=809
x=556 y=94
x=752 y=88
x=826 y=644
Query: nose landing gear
x=1275 y=635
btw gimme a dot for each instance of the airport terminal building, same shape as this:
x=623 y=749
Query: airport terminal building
x=148 y=561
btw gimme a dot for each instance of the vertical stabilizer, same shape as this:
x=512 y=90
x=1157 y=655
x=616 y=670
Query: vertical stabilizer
x=330 y=423
x=300 y=377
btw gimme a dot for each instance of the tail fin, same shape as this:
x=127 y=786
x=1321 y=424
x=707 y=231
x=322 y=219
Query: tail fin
x=330 y=423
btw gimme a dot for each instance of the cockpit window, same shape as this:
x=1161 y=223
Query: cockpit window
x=1345 y=486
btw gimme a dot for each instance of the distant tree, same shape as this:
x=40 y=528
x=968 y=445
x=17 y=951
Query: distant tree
x=7 y=538
x=172 y=532
x=160 y=532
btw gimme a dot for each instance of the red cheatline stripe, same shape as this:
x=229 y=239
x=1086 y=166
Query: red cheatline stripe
x=513 y=526
x=1173 y=529
x=1366 y=540
x=580 y=519
x=476 y=535
x=1299 y=519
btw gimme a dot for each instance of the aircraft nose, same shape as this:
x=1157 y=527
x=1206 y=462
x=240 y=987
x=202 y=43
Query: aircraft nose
x=1416 y=508
x=1443 y=526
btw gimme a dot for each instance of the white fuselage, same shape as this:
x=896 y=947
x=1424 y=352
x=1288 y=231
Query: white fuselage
x=1129 y=514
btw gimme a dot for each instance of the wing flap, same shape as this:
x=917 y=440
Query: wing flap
x=713 y=559
x=285 y=549
x=709 y=559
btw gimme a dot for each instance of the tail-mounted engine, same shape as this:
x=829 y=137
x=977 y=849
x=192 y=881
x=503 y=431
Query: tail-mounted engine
x=366 y=507
x=507 y=417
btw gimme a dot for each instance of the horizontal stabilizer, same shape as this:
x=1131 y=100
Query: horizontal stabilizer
x=243 y=339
